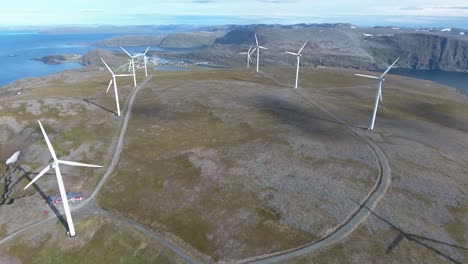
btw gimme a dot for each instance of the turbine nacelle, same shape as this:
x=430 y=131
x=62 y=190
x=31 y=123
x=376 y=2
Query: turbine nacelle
x=300 y=51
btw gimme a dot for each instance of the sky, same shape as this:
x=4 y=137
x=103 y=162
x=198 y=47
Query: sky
x=447 y=13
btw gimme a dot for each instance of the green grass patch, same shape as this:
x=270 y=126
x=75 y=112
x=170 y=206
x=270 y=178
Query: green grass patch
x=109 y=244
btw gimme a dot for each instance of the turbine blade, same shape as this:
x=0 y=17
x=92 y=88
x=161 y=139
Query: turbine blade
x=256 y=39
x=292 y=53
x=389 y=68
x=242 y=53
x=261 y=47
x=368 y=76
x=126 y=52
x=43 y=171
x=252 y=52
x=146 y=50
x=123 y=75
x=107 y=66
x=250 y=48
x=72 y=163
x=51 y=149
x=108 y=87
x=302 y=47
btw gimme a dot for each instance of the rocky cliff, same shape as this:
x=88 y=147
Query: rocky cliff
x=422 y=51
x=343 y=45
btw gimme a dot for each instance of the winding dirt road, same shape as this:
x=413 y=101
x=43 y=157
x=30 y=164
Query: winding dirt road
x=353 y=221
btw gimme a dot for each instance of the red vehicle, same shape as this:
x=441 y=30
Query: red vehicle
x=56 y=199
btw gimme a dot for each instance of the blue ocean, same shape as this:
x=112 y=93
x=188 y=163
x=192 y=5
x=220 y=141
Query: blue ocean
x=19 y=48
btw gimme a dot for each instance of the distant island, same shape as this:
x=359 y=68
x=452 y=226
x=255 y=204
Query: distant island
x=59 y=59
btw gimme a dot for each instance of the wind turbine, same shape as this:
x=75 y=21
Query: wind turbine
x=132 y=64
x=55 y=165
x=379 y=91
x=249 y=54
x=144 y=58
x=298 y=55
x=258 y=50
x=113 y=80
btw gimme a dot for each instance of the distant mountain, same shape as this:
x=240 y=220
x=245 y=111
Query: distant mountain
x=422 y=51
x=112 y=58
x=150 y=30
x=332 y=45
x=191 y=39
x=344 y=45
x=130 y=41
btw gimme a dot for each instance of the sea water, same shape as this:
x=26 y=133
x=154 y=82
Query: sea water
x=18 y=49
x=457 y=80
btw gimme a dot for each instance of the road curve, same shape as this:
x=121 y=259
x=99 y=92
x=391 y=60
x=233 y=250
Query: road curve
x=178 y=251
x=91 y=202
x=115 y=158
x=123 y=131
x=358 y=216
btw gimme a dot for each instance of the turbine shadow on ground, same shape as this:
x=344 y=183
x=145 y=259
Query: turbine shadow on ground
x=89 y=101
x=293 y=114
x=419 y=240
x=8 y=188
x=292 y=89
x=257 y=82
x=52 y=207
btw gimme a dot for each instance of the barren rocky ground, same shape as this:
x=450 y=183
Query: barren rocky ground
x=232 y=164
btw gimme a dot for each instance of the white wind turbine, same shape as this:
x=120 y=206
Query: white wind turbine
x=298 y=55
x=55 y=165
x=258 y=50
x=113 y=80
x=249 y=55
x=132 y=64
x=144 y=58
x=379 y=91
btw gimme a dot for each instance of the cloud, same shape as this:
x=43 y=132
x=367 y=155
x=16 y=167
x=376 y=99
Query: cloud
x=277 y=1
x=454 y=7
x=92 y=10
x=411 y=8
x=202 y=1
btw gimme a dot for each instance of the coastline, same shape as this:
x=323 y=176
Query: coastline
x=60 y=59
x=4 y=88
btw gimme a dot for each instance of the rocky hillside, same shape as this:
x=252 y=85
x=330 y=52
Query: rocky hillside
x=344 y=45
x=130 y=41
x=422 y=51
x=191 y=39
x=112 y=58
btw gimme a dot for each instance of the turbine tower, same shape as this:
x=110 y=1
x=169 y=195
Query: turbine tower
x=132 y=64
x=298 y=55
x=55 y=165
x=113 y=80
x=258 y=50
x=249 y=55
x=379 y=91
